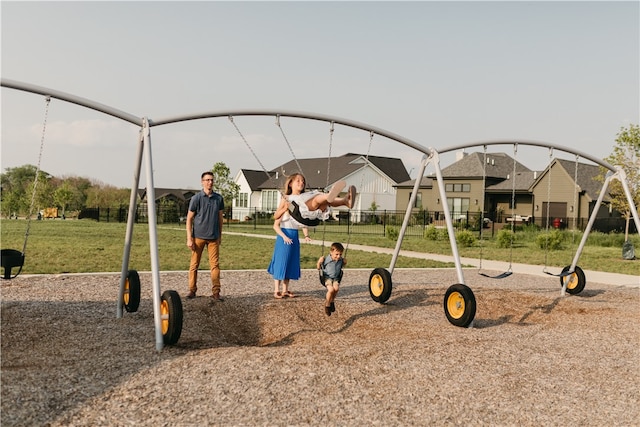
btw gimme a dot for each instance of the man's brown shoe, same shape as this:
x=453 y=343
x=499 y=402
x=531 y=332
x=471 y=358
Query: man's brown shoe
x=217 y=297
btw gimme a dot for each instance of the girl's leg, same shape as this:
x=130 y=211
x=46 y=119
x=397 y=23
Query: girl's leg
x=322 y=200
x=345 y=201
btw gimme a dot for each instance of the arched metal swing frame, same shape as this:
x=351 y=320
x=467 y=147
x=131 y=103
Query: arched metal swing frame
x=572 y=275
x=459 y=302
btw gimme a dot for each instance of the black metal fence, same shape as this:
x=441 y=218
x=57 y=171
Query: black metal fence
x=364 y=222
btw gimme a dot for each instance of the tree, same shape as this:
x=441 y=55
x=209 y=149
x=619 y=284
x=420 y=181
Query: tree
x=224 y=184
x=63 y=196
x=626 y=154
x=17 y=189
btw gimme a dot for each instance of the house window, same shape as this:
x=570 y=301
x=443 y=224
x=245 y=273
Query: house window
x=458 y=188
x=269 y=200
x=418 y=202
x=459 y=206
x=242 y=201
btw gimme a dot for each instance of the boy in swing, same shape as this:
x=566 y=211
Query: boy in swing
x=331 y=270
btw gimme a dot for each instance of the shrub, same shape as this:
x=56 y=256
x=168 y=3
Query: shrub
x=443 y=234
x=393 y=233
x=505 y=238
x=431 y=233
x=465 y=238
x=551 y=240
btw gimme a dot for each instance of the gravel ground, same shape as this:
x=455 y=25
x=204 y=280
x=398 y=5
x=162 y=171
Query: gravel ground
x=532 y=357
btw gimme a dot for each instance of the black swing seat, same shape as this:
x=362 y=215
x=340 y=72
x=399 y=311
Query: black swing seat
x=499 y=276
x=11 y=258
x=563 y=274
x=294 y=210
x=323 y=279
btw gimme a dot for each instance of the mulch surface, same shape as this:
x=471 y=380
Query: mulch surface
x=532 y=357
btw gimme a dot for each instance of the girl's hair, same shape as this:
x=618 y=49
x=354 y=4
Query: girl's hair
x=290 y=178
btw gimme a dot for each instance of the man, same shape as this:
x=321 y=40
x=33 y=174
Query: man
x=204 y=228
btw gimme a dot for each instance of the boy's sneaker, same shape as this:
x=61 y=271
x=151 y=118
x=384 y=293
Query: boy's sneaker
x=327 y=310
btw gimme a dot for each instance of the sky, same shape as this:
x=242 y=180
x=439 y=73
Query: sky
x=440 y=74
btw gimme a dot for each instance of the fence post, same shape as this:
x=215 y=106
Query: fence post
x=384 y=223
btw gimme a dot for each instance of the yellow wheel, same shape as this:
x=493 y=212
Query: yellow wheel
x=131 y=297
x=460 y=305
x=575 y=281
x=380 y=285
x=170 y=317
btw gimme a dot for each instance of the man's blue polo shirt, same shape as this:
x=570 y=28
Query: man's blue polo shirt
x=207 y=208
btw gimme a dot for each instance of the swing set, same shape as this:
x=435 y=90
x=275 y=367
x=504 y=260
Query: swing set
x=459 y=301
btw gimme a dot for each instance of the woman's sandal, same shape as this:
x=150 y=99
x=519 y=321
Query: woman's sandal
x=288 y=294
x=277 y=295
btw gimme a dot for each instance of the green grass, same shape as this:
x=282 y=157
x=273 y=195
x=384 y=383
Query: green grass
x=86 y=246
x=83 y=246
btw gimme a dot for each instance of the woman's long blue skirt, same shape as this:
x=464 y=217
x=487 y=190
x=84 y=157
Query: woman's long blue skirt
x=285 y=262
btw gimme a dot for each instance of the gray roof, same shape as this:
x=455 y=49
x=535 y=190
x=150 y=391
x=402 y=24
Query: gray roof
x=499 y=166
x=586 y=176
x=315 y=170
x=523 y=182
x=425 y=182
x=254 y=178
x=178 y=193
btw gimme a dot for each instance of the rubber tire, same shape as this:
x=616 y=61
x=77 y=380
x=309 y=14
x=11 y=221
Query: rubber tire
x=131 y=296
x=460 y=305
x=171 y=317
x=576 y=280
x=380 y=285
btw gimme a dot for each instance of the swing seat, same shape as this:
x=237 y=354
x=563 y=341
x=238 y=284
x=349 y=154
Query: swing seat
x=499 y=276
x=295 y=213
x=323 y=279
x=11 y=258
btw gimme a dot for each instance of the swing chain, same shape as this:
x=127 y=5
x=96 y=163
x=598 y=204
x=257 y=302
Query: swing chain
x=513 y=204
x=35 y=182
x=288 y=144
x=547 y=236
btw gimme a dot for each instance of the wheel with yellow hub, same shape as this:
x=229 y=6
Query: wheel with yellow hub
x=575 y=281
x=131 y=296
x=460 y=305
x=380 y=285
x=171 y=317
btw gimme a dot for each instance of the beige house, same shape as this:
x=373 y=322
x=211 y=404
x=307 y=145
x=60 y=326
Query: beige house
x=472 y=187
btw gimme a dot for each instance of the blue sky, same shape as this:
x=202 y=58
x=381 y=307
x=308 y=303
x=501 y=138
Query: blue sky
x=438 y=73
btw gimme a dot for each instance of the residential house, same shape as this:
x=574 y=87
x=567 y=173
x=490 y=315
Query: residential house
x=171 y=203
x=471 y=185
x=567 y=190
x=374 y=177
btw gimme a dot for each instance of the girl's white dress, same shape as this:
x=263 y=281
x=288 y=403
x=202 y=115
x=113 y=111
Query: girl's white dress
x=301 y=200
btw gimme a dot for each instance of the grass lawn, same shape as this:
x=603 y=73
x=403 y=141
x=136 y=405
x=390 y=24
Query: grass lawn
x=83 y=246
x=86 y=246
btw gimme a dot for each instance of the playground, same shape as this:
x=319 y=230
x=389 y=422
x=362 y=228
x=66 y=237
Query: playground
x=531 y=357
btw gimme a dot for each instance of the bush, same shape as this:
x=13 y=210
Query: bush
x=393 y=233
x=551 y=240
x=465 y=238
x=443 y=234
x=431 y=233
x=505 y=238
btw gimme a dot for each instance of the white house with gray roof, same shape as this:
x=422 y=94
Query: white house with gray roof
x=374 y=177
